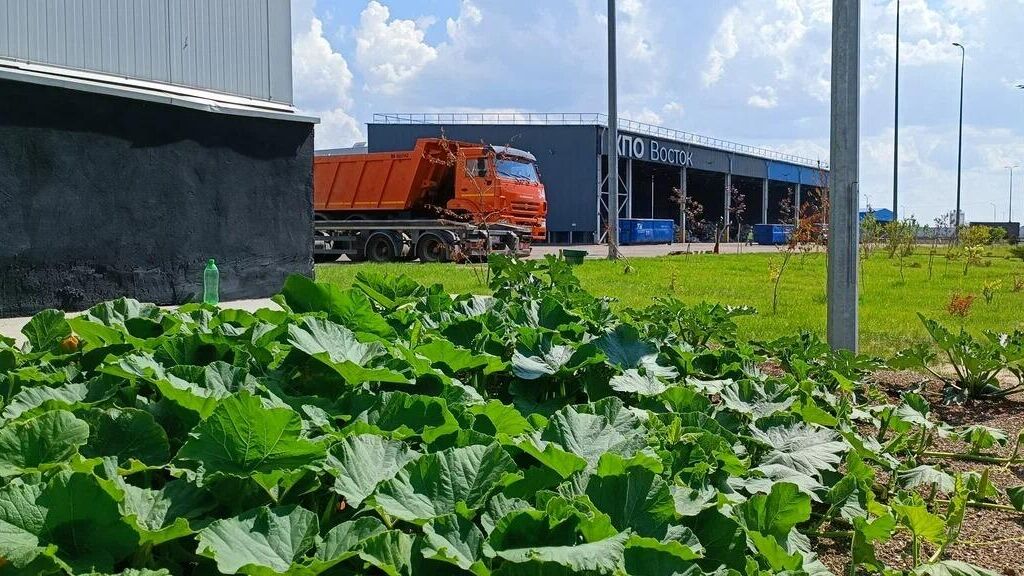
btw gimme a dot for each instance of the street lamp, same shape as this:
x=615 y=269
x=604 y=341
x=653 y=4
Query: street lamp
x=994 y=217
x=1009 y=212
x=896 y=125
x=960 y=146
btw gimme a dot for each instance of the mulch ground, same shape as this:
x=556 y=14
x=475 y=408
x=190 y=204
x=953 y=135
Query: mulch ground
x=992 y=539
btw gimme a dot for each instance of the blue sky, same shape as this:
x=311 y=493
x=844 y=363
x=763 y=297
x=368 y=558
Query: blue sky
x=753 y=71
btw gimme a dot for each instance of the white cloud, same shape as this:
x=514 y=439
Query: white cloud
x=322 y=80
x=763 y=97
x=926 y=32
x=725 y=46
x=673 y=108
x=390 y=52
x=778 y=40
x=645 y=115
x=469 y=17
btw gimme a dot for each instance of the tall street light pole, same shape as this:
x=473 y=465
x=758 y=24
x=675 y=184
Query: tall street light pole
x=960 y=146
x=1009 y=209
x=896 y=126
x=613 y=139
x=844 y=179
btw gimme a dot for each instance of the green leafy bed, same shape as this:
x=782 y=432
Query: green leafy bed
x=396 y=429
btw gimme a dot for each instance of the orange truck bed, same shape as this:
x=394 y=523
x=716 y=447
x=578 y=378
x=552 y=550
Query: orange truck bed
x=378 y=182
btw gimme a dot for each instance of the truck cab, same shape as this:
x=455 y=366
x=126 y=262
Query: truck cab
x=501 y=184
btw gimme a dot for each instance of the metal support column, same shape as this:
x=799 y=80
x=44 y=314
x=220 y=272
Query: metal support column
x=601 y=201
x=796 y=204
x=845 y=141
x=682 y=202
x=629 y=188
x=764 y=202
x=727 y=203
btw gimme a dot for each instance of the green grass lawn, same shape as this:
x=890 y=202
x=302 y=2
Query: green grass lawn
x=888 y=305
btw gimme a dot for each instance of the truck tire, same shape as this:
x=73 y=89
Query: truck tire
x=380 y=248
x=433 y=248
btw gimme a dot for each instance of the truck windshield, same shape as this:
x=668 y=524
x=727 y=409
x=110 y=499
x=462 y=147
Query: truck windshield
x=517 y=170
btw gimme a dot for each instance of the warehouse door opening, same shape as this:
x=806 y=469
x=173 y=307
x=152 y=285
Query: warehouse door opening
x=654 y=192
x=706 y=191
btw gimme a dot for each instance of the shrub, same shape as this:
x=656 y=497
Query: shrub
x=976 y=363
x=960 y=304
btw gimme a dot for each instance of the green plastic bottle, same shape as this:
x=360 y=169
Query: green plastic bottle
x=211 y=283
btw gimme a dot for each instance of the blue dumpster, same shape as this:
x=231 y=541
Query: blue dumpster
x=637 y=231
x=772 y=234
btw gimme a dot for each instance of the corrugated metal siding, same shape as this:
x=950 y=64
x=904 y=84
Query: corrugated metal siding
x=749 y=166
x=240 y=47
x=783 y=172
x=711 y=160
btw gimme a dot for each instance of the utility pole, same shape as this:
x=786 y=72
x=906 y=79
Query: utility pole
x=613 y=140
x=896 y=126
x=1009 y=209
x=960 y=146
x=844 y=181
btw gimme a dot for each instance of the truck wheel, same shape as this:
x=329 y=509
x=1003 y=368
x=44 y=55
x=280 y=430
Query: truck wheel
x=431 y=248
x=380 y=248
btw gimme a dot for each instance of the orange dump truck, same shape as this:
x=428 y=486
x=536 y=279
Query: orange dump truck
x=440 y=201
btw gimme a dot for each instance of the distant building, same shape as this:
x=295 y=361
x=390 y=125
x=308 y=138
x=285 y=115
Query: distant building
x=657 y=168
x=881 y=214
x=139 y=139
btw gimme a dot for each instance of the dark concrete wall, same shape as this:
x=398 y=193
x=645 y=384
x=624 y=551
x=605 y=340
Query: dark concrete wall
x=102 y=197
x=567 y=157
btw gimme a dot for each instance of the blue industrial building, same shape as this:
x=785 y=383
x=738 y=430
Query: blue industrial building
x=881 y=214
x=655 y=163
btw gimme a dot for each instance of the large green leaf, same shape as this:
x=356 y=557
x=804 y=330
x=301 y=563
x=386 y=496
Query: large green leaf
x=46 y=329
x=35 y=400
x=549 y=546
x=242 y=438
x=500 y=419
x=634 y=498
x=631 y=380
x=591 y=431
x=455 y=480
x=165 y=514
x=359 y=463
x=405 y=415
x=350 y=308
x=927 y=476
x=722 y=538
x=84 y=522
x=624 y=347
x=776 y=513
x=125 y=433
x=21 y=527
x=39 y=442
x=921 y=522
x=457 y=541
x=650 y=557
x=455 y=360
x=807 y=449
x=337 y=347
x=1016 y=496
x=261 y=542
